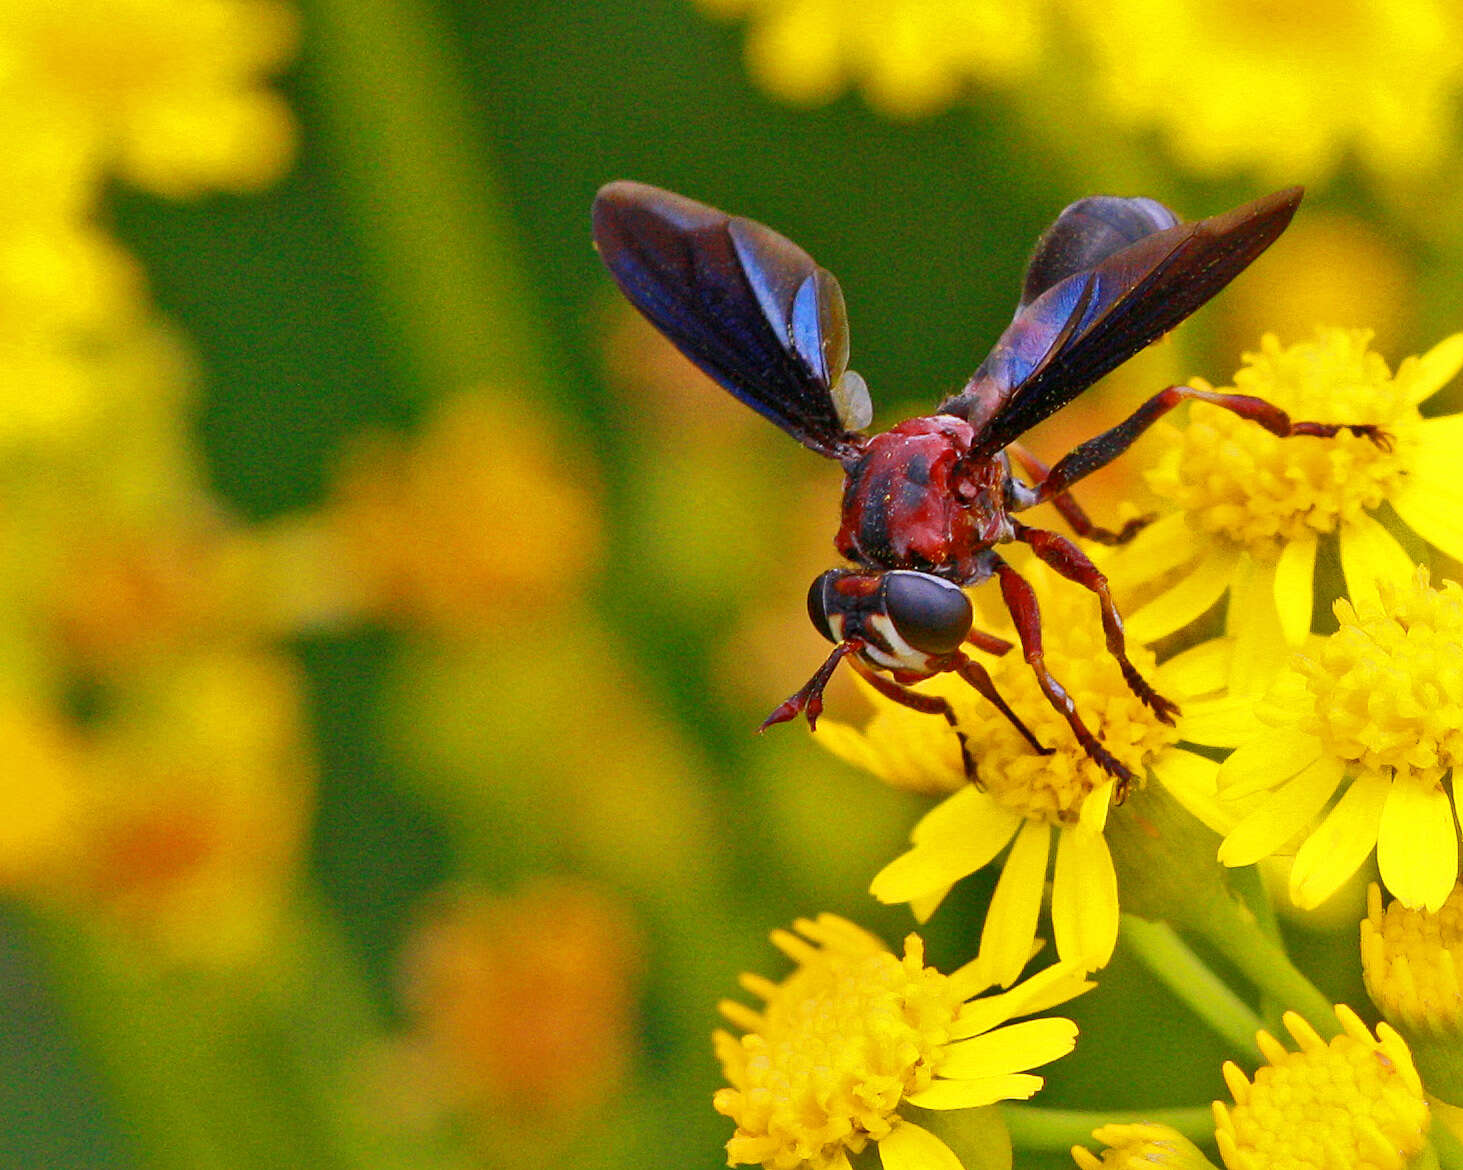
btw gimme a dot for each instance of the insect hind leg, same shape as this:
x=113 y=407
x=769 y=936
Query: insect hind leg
x=1072 y=563
x=1102 y=449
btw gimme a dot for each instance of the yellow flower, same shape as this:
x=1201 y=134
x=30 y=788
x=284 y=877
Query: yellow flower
x=909 y=57
x=1251 y=507
x=1412 y=961
x=168 y=93
x=480 y=518
x=856 y=1035
x=197 y=801
x=1375 y=711
x=1285 y=89
x=1142 y=1146
x=1023 y=798
x=521 y=1011
x=1355 y=1103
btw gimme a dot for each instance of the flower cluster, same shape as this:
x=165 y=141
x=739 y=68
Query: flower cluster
x=1318 y=750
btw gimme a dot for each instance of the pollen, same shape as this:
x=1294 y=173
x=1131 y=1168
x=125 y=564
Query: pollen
x=1239 y=481
x=1355 y=1103
x=1388 y=685
x=840 y=1042
x=1412 y=961
x=1053 y=787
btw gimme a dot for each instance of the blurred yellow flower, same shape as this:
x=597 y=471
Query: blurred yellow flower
x=856 y=1033
x=1022 y=798
x=1353 y=1102
x=40 y=799
x=908 y=57
x=1284 y=90
x=521 y=1012
x=1250 y=508
x=1334 y=269
x=168 y=94
x=482 y=516
x=1374 y=712
x=198 y=789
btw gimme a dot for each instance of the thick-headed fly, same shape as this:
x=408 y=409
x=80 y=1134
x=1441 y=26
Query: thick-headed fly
x=926 y=504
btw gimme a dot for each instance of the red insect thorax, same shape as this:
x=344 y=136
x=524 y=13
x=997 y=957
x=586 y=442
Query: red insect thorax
x=915 y=500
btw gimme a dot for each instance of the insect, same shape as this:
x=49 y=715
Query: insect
x=927 y=503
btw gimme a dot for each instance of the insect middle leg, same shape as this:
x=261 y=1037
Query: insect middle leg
x=1102 y=449
x=1070 y=510
x=1072 y=563
x=1020 y=600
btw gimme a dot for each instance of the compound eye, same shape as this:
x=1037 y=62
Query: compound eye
x=931 y=614
x=819 y=594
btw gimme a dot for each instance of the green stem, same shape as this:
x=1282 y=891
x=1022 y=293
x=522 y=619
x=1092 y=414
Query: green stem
x=1035 y=1128
x=1159 y=948
x=413 y=167
x=1233 y=930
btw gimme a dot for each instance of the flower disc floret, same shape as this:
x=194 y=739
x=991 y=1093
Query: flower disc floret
x=856 y=1032
x=1355 y=1103
x=1260 y=491
x=1388 y=685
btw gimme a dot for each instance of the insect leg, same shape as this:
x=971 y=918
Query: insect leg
x=978 y=677
x=988 y=642
x=1020 y=599
x=1072 y=563
x=809 y=700
x=1104 y=448
x=929 y=704
x=1070 y=510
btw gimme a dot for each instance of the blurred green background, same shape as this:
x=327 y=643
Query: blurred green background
x=529 y=583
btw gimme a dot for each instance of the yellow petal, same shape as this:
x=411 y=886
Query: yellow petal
x=1192 y=780
x=1340 y=844
x=1433 y=462
x=958 y=845
x=908 y=1147
x=1224 y=722
x=1370 y=554
x=1295 y=573
x=1417 y=844
x=1434 y=369
x=971 y=1094
x=1047 y=988
x=963 y=811
x=1010 y=923
x=1254 y=623
x=1014 y=1048
x=924 y=906
x=1266 y=762
x=1189 y=597
x=1084 y=899
x=1156 y=551
x=1199 y=670
x=1438 y=519
x=1290 y=809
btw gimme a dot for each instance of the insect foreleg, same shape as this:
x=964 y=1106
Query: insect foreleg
x=1102 y=449
x=809 y=700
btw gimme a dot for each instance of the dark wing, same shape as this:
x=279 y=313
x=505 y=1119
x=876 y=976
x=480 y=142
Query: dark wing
x=748 y=306
x=1090 y=322
x=1087 y=233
